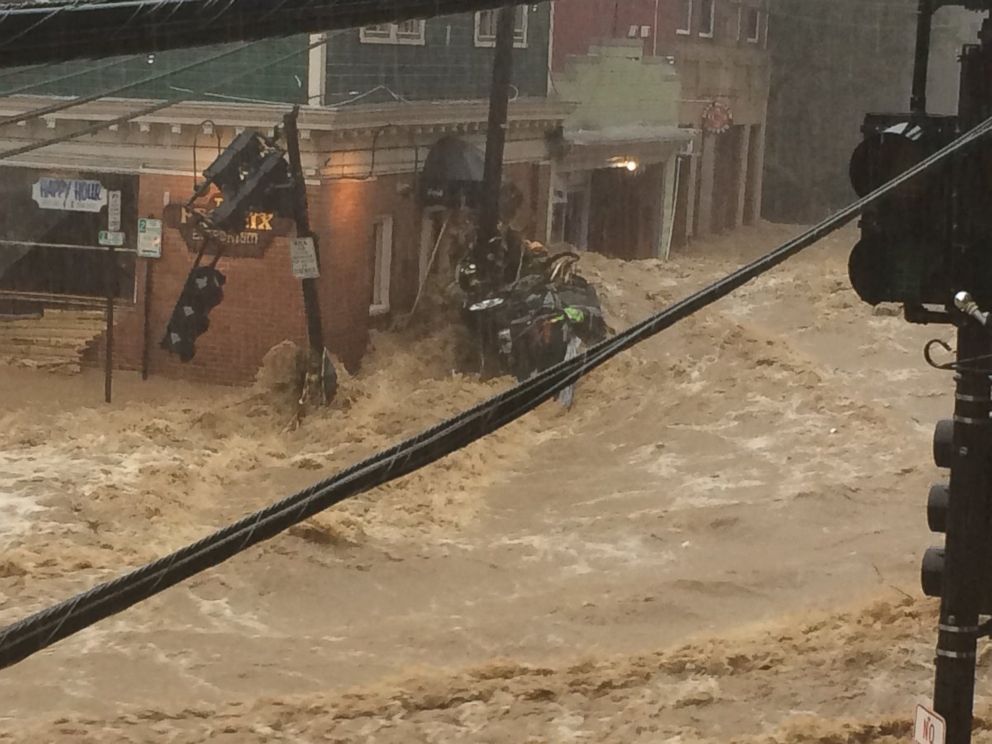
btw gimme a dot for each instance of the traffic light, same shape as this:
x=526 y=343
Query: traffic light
x=252 y=175
x=201 y=294
x=938 y=504
x=905 y=252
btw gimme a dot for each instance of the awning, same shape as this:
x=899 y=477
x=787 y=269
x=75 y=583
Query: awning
x=591 y=149
x=453 y=171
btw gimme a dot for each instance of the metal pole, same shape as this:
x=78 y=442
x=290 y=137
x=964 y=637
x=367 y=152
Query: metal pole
x=499 y=103
x=918 y=101
x=961 y=588
x=311 y=300
x=108 y=362
x=145 y=352
x=967 y=515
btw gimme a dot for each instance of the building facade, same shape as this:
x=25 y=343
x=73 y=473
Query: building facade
x=605 y=153
x=615 y=177
x=719 y=50
x=374 y=234
x=375 y=102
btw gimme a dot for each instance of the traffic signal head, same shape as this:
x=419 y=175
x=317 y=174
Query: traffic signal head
x=904 y=254
x=252 y=175
x=938 y=507
x=202 y=292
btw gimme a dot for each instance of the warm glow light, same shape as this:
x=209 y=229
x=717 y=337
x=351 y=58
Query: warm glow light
x=631 y=165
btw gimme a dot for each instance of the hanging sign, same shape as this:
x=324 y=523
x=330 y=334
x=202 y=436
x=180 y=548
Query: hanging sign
x=717 y=118
x=261 y=228
x=113 y=211
x=149 y=238
x=304 y=255
x=69 y=195
x=111 y=238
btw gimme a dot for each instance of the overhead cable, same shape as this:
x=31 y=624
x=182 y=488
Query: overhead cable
x=42 y=629
x=188 y=95
x=88 y=30
x=81 y=100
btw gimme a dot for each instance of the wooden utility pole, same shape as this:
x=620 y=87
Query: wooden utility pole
x=324 y=380
x=499 y=104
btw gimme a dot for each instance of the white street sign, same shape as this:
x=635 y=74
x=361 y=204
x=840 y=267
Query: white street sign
x=114 y=211
x=930 y=728
x=69 y=195
x=304 y=255
x=107 y=237
x=149 y=238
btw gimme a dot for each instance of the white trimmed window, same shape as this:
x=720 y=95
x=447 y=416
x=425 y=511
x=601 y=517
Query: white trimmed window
x=750 y=25
x=406 y=32
x=684 y=27
x=382 y=260
x=707 y=18
x=485 y=27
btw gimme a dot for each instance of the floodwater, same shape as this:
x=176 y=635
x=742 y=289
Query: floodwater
x=720 y=542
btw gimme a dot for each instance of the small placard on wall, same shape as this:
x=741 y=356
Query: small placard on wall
x=304 y=255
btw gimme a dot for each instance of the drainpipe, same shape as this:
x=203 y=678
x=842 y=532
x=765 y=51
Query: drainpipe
x=654 y=33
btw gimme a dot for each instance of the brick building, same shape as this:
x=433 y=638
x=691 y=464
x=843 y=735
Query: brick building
x=379 y=99
x=720 y=52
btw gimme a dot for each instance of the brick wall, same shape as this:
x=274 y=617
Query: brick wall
x=581 y=23
x=263 y=302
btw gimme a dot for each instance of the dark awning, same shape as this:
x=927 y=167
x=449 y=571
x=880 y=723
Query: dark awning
x=36 y=32
x=453 y=171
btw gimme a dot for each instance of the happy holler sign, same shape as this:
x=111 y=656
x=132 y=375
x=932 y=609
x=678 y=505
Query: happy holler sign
x=69 y=194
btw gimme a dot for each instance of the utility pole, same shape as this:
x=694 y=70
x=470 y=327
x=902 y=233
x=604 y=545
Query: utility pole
x=499 y=104
x=921 y=64
x=321 y=380
x=112 y=291
x=965 y=557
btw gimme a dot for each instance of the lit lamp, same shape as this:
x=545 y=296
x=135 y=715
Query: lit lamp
x=628 y=164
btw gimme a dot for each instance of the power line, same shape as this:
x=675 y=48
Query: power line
x=68 y=76
x=62 y=106
x=42 y=629
x=130 y=26
x=24 y=70
x=125 y=118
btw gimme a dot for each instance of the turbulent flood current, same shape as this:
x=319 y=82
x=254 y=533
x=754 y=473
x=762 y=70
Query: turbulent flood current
x=719 y=543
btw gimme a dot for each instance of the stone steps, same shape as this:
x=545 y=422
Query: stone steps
x=55 y=341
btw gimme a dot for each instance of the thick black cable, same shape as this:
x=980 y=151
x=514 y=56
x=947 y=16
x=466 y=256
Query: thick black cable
x=80 y=100
x=153 y=108
x=48 y=626
x=135 y=26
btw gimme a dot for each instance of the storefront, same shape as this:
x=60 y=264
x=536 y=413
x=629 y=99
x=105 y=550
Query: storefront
x=57 y=231
x=615 y=188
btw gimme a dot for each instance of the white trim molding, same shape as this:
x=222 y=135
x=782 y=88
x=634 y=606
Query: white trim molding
x=488 y=39
x=410 y=33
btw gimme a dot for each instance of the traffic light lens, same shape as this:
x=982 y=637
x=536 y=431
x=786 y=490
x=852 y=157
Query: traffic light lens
x=884 y=156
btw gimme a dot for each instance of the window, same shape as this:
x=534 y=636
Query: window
x=382 y=259
x=706 y=18
x=685 y=18
x=407 y=32
x=749 y=24
x=485 y=27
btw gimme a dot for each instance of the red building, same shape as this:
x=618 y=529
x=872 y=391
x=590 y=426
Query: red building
x=578 y=23
x=720 y=52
